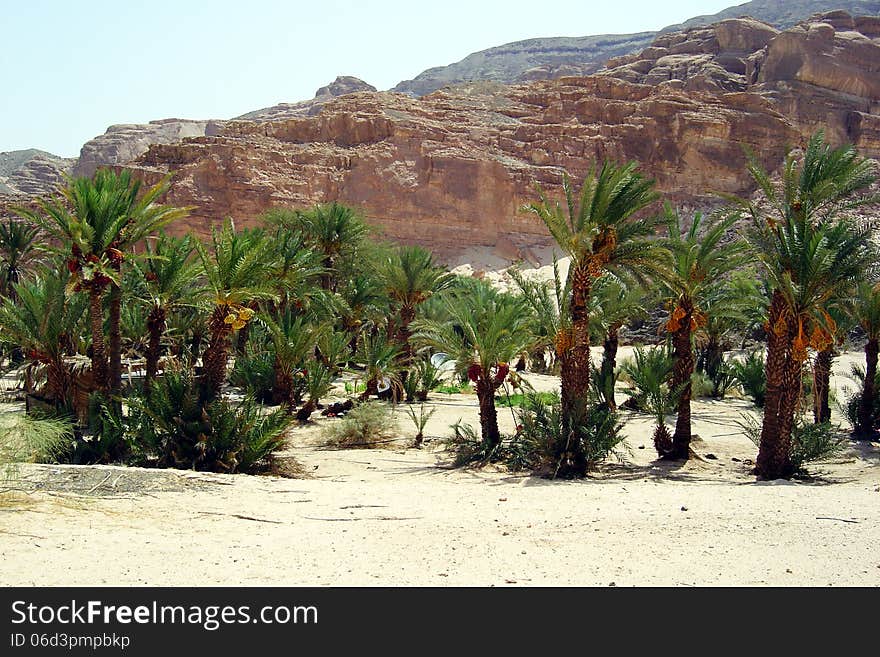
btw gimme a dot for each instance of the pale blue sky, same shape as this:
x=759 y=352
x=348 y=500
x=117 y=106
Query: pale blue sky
x=70 y=68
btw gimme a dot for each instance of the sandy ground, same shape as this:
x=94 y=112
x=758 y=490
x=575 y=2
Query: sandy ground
x=399 y=516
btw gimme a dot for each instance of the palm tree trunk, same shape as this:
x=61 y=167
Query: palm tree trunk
x=865 y=427
x=822 y=384
x=58 y=384
x=155 y=328
x=609 y=364
x=402 y=337
x=774 y=449
x=217 y=354
x=576 y=361
x=713 y=358
x=115 y=334
x=488 y=413
x=99 y=352
x=681 y=379
x=282 y=386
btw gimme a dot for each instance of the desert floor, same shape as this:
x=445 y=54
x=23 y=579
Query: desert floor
x=398 y=516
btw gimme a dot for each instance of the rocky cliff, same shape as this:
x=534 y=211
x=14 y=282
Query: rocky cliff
x=451 y=170
x=124 y=143
x=31 y=172
x=547 y=58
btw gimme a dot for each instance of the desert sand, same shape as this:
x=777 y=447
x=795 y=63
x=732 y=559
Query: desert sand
x=400 y=516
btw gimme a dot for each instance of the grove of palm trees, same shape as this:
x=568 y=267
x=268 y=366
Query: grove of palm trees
x=136 y=349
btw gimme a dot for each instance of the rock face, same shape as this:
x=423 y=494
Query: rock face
x=342 y=85
x=821 y=74
x=451 y=170
x=541 y=59
x=124 y=143
x=534 y=59
x=32 y=172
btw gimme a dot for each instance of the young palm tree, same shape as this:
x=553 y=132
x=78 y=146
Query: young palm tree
x=600 y=233
x=700 y=261
x=810 y=255
x=237 y=273
x=824 y=360
x=95 y=220
x=486 y=332
x=867 y=311
x=382 y=360
x=19 y=246
x=44 y=321
x=336 y=231
x=737 y=303
x=410 y=277
x=614 y=304
x=547 y=303
x=294 y=338
x=169 y=274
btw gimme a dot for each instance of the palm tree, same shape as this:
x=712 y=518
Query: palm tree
x=336 y=231
x=614 y=304
x=410 y=277
x=294 y=338
x=44 y=321
x=486 y=332
x=382 y=360
x=810 y=255
x=824 y=360
x=600 y=233
x=548 y=306
x=867 y=311
x=736 y=303
x=237 y=273
x=169 y=274
x=95 y=219
x=19 y=244
x=700 y=261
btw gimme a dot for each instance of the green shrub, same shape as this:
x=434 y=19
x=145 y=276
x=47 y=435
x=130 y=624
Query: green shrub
x=31 y=439
x=419 y=421
x=366 y=425
x=253 y=372
x=541 y=442
x=749 y=373
x=520 y=400
x=647 y=374
x=175 y=425
x=469 y=447
x=810 y=443
x=701 y=385
x=853 y=399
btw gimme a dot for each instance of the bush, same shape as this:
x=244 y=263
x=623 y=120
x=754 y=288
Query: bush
x=647 y=374
x=541 y=443
x=521 y=400
x=366 y=425
x=853 y=399
x=468 y=446
x=749 y=373
x=701 y=385
x=174 y=424
x=810 y=443
x=254 y=372
x=26 y=438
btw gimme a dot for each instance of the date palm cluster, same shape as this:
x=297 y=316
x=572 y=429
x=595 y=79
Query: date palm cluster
x=104 y=280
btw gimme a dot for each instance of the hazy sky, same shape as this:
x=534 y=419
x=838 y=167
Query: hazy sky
x=70 y=68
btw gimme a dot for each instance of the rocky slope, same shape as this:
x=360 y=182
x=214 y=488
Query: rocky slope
x=125 y=142
x=547 y=58
x=31 y=171
x=343 y=84
x=451 y=170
